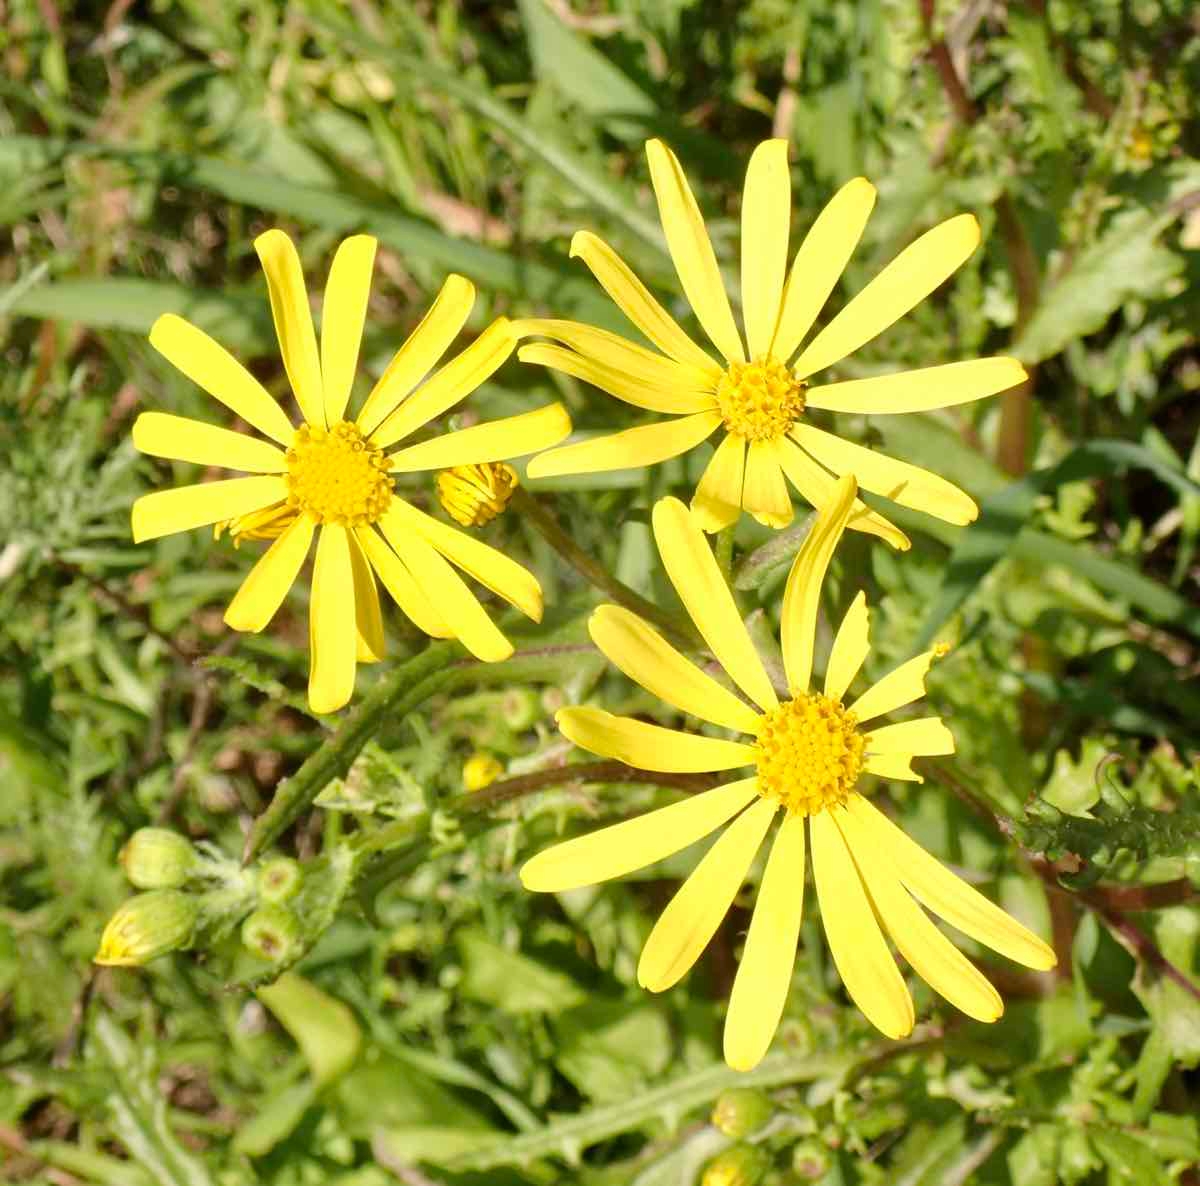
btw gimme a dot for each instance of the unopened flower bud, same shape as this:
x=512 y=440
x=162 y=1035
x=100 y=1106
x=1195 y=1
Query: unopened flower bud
x=520 y=708
x=739 y=1165
x=157 y=858
x=147 y=926
x=479 y=770
x=811 y=1160
x=741 y=1111
x=475 y=494
x=279 y=879
x=272 y=932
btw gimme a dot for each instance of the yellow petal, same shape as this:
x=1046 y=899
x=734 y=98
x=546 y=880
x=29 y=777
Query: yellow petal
x=765 y=973
x=820 y=261
x=706 y=597
x=899 y=687
x=210 y=366
x=614 y=351
x=859 y=951
x=372 y=646
x=766 y=222
x=454 y=382
x=694 y=913
x=717 y=501
x=632 y=297
x=420 y=352
x=919 y=391
x=648 y=444
x=489 y=566
x=447 y=591
x=906 y=484
x=346 y=293
x=266 y=584
x=904 y=283
x=691 y=251
x=497 y=440
x=293 y=321
x=765 y=493
x=168 y=511
x=181 y=439
x=634 y=844
x=932 y=956
x=650 y=747
x=401 y=584
x=920 y=738
x=817 y=487
x=333 y=631
x=648 y=659
x=802 y=594
x=639 y=388
x=850 y=647
x=949 y=896
x=894 y=766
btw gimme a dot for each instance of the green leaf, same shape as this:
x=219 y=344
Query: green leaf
x=276 y=1120
x=1125 y=263
x=609 y=1050
x=584 y=75
x=324 y=1028
x=1174 y=1011
x=513 y=982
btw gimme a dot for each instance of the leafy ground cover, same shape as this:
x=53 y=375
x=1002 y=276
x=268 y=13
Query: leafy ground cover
x=369 y=994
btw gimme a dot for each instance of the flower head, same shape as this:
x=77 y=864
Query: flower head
x=808 y=750
x=331 y=477
x=146 y=926
x=761 y=391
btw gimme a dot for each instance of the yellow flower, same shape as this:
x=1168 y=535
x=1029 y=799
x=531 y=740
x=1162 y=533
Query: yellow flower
x=761 y=389
x=333 y=474
x=475 y=494
x=480 y=770
x=808 y=752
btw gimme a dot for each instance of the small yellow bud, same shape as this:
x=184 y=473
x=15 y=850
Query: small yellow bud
x=741 y=1110
x=157 y=858
x=479 y=770
x=739 y=1165
x=147 y=926
x=475 y=494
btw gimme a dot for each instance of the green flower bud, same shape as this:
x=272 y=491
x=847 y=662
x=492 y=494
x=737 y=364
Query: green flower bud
x=811 y=1160
x=520 y=708
x=740 y=1111
x=147 y=926
x=157 y=858
x=272 y=932
x=279 y=879
x=739 y=1165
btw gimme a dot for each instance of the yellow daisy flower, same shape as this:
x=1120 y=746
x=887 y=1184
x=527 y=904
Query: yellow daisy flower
x=761 y=389
x=332 y=477
x=808 y=752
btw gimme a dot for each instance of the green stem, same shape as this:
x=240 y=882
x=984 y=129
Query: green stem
x=596 y=574
x=438 y=668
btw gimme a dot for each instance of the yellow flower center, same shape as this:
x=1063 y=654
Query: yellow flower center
x=759 y=400
x=475 y=494
x=810 y=753
x=337 y=476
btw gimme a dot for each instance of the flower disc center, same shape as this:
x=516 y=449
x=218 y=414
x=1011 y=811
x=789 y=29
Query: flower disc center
x=810 y=753
x=759 y=400
x=337 y=476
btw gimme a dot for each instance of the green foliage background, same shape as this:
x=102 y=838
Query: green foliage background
x=444 y=1026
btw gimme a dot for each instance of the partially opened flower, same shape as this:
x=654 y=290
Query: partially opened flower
x=808 y=752
x=761 y=389
x=330 y=477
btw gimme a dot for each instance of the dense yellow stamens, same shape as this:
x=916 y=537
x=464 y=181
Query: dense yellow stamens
x=337 y=476
x=759 y=400
x=810 y=753
x=475 y=494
